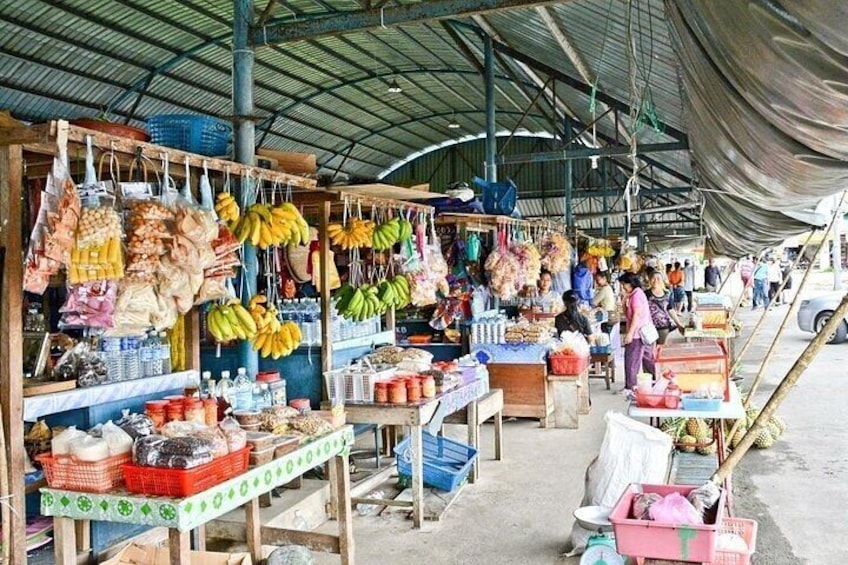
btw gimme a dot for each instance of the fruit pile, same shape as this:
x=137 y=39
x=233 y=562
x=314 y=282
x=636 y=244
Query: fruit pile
x=691 y=435
x=355 y=233
x=263 y=225
x=367 y=300
x=273 y=338
x=230 y=321
x=396 y=230
x=767 y=436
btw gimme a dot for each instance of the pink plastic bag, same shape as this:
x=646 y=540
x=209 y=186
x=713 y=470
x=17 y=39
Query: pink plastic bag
x=676 y=510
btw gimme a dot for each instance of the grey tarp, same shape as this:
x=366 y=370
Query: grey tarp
x=767 y=106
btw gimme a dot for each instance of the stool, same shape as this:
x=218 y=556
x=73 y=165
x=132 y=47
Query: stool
x=602 y=366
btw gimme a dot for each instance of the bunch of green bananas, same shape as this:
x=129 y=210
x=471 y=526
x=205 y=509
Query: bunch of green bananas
x=367 y=300
x=388 y=233
x=230 y=321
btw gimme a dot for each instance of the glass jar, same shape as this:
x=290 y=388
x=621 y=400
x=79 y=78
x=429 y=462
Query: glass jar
x=301 y=405
x=397 y=392
x=413 y=390
x=175 y=412
x=210 y=411
x=156 y=410
x=194 y=411
x=428 y=387
x=381 y=392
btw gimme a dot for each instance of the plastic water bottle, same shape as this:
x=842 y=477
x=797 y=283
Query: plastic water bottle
x=286 y=310
x=155 y=355
x=144 y=357
x=225 y=388
x=207 y=387
x=165 y=353
x=129 y=358
x=244 y=390
x=262 y=396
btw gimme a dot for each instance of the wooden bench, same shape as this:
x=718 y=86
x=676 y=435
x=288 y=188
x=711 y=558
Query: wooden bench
x=490 y=405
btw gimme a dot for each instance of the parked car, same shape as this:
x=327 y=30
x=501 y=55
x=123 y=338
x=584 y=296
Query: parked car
x=814 y=313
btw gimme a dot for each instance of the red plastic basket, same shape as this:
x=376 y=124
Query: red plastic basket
x=69 y=473
x=649 y=400
x=568 y=364
x=744 y=528
x=185 y=482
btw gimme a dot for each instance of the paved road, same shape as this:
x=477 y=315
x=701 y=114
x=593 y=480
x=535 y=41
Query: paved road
x=798 y=489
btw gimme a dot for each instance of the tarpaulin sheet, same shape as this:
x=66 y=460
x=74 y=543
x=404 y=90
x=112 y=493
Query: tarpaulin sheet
x=767 y=93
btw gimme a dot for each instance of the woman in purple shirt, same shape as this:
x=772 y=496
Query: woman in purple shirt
x=638 y=314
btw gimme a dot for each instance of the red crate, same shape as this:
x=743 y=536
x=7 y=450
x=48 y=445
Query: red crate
x=185 y=482
x=562 y=364
x=662 y=400
x=70 y=473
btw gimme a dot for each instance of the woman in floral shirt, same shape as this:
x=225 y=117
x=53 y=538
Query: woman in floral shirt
x=663 y=313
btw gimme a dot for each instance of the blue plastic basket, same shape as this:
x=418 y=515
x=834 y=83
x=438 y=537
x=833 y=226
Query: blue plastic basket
x=194 y=133
x=446 y=462
x=600 y=349
x=701 y=404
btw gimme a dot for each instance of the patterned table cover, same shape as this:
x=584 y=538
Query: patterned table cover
x=185 y=514
x=511 y=352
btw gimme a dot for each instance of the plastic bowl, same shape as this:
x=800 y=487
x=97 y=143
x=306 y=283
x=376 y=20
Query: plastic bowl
x=593 y=518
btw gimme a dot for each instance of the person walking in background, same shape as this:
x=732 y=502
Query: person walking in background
x=746 y=272
x=637 y=314
x=675 y=281
x=712 y=276
x=775 y=277
x=688 y=282
x=786 y=269
x=760 y=277
x=662 y=310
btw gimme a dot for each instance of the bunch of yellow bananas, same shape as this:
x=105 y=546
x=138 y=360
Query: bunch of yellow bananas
x=356 y=233
x=230 y=321
x=265 y=226
x=366 y=300
x=227 y=208
x=273 y=339
x=388 y=233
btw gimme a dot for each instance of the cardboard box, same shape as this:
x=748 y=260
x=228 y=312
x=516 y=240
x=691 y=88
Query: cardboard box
x=151 y=555
x=290 y=162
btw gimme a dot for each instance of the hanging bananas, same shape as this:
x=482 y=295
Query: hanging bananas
x=366 y=300
x=273 y=338
x=227 y=208
x=230 y=321
x=265 y=226
x=356 y=233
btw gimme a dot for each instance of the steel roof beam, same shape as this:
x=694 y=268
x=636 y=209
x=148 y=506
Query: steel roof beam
x=362 y=20
x=587 y=152
x=599 y=193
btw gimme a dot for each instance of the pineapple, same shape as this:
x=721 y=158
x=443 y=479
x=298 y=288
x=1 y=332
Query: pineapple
x=709 y=449
x=689 y=444
x=779 y=422
x=697 y=428
x=737 y=437
x=764 y=439
x=751 y=414
x=774 y=430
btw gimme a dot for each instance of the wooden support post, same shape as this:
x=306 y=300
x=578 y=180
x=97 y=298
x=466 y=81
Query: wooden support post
x=64 y=542
x=83 y=534
x=417 y=446
x=499 y=435
x=333 y=504
x=781 y=392
x=198 y=538
x=253 y=529
x=323 y=264
x=11 y=353
x=341 y=486
x=473 y=438
x=180 y=547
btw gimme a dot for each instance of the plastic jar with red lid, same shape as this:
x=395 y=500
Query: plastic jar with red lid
x=156 y=410
x=413 y=389
x=397 y=392
x=194 y=411
x=381 y=392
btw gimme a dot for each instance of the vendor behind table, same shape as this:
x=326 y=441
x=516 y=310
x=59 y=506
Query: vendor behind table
x=604 y=298
x=544 y=299
x=571 y=319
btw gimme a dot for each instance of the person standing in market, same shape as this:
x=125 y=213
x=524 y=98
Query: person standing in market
x=712 y=276
x=786 y=269
x=571 y=320
x=663 y=314
x=688 y=282
x=544 y=300
x=675 y=281
x=760 y=277
x=637 y=353
x=746 y=273
x=604 y=298
x=775 y=277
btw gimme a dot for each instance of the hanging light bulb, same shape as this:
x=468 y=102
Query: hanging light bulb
x=594 y=159
x=394 y=87
x=453 y=124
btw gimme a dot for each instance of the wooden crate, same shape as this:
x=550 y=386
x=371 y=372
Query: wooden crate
x=526 y=390
x=292 y=163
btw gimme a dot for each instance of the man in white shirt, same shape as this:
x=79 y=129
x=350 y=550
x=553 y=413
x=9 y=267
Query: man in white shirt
x=775 y=277
x=688 y=282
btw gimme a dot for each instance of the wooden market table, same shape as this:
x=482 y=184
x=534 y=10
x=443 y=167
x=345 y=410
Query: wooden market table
x=428 y=413
x=182 y=515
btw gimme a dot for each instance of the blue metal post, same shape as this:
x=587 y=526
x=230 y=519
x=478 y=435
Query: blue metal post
x=244 y=145
x=489 y=83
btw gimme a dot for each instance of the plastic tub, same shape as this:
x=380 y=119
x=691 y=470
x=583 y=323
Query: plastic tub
x=285 y=444
x=701 y=404
x=747 y=530
x=649 y=539
x=260 y=440
x=259 y=458
x=650 y=400
x=446 y=462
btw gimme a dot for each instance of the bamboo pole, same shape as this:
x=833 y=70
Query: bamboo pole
x=780 y=393
x=726 y=278
x=762 y=319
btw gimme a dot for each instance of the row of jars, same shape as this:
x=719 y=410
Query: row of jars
x=404 y=390
x=182 y=408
